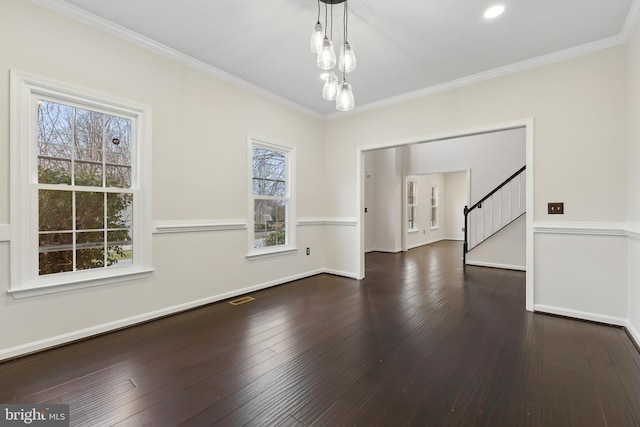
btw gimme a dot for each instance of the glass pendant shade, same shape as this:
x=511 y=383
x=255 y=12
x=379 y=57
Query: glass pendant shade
x=330 y=88
x=316 y=38
x=326 y=56
x=344 y=100
x=347 y=62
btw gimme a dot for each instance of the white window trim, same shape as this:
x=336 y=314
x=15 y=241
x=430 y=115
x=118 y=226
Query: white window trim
x=290 y=151
x=415 y=228
x=24 y=280
x=437 y=226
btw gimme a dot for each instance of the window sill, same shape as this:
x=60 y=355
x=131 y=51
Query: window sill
x=413 y=231
x=434 y=228
x=271 y=252
x=33 y=290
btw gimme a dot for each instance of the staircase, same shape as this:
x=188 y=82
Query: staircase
x=499 y=208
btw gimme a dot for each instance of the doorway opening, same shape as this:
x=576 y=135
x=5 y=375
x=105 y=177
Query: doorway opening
x=406 y=203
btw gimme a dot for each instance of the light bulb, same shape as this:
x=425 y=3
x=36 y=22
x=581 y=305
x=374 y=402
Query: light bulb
x=330 y=88
x=344 y=100
x=347 y=62
x=326 y=56
x=316 y=38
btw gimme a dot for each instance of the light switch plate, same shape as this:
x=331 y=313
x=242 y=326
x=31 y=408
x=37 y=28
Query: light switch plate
x=555 y=208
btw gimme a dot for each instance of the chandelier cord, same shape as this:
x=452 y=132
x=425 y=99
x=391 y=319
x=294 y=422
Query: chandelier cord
x=344 y=46
x=326 y=19
x=346 y=21
x=318 y=11
x=331 y=32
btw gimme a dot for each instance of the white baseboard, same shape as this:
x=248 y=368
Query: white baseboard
x=385 y=250
x=430 y=242
x=340 y=273
x=582 y=315
x=633 y=332
x=495 y=265
x=46 y=343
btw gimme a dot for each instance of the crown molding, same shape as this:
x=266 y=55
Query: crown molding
x=80 y=15
x=528 y=64
x=632 y=21
x=74 y=12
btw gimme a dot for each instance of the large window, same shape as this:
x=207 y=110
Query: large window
x=412 y=206
x=85 y=199
x=78 y=213
x=271 y=202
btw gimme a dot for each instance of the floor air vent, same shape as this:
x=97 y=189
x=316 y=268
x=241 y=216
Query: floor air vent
x=241 y=300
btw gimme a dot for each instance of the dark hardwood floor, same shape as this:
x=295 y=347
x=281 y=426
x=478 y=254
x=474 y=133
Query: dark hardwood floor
x=418 y=342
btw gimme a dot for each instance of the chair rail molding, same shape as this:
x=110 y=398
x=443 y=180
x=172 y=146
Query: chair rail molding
x=191 y=226
x=340 y=221
x=582 y=228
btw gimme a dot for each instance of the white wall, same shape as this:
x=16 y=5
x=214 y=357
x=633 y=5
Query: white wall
x=491 y=157
x=579 y=109
x=633 y=248
x=200 y=127
x=455 y=185
x=383 y=200
x=505 y=249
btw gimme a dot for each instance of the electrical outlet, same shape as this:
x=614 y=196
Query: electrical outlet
x=308 y=251
x=555 y=208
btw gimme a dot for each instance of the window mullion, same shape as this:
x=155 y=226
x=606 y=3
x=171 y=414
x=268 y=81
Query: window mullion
x=104 y=231
x=73 y=149
x=74 y=232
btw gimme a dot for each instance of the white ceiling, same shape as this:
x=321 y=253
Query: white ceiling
x=402 y=46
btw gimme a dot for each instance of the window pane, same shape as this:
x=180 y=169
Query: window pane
x=54 y=143
x=119 y=248
x=89 y=250
x=270 y=223
x=411 y=220
x=120 y=223
x=119 y=210
x=269 y=172
x=52 y=171
x=55 y=253
x=118 y=152
x=88 y=131
x=89 y=210
x=54 y=210
x=118 y=176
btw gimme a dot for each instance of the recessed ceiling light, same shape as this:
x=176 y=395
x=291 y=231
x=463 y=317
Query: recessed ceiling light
x=494 y=11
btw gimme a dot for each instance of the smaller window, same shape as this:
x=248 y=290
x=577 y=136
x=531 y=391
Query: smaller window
x=271 y=204
x=434 y=207
x=412 y=206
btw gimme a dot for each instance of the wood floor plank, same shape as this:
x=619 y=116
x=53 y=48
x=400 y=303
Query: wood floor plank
x=419 y=342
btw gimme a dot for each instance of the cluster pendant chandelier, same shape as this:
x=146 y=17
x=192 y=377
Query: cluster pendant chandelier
x=322 y=45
